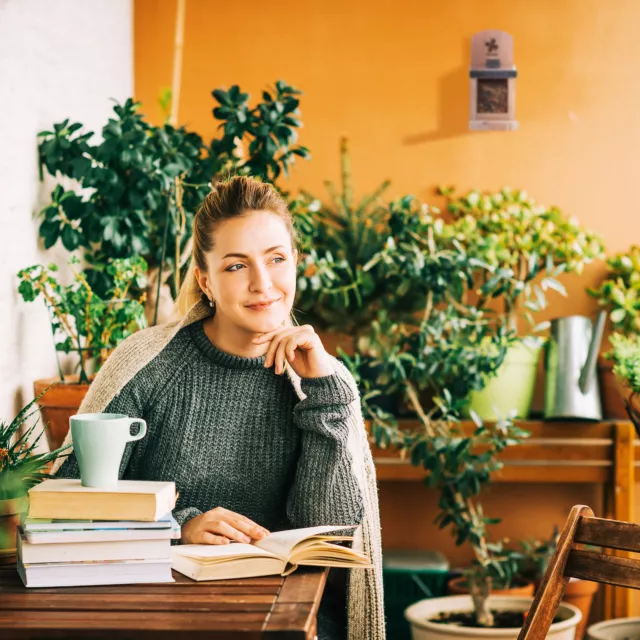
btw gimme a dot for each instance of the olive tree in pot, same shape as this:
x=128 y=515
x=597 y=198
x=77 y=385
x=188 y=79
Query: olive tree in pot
x=619 y=294
x=85 y=324
x=527 y=246
x=21 y=468
x=451 y=347
x=140 y=184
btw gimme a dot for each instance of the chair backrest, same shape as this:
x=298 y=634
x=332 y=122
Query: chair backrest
x=571 y=560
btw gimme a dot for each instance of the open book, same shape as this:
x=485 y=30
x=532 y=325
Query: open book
x=278 y=553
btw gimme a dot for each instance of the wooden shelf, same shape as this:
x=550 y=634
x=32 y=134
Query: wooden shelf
x=606 y=453
x=574 y=452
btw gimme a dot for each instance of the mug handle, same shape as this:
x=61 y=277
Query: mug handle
x=141 y=433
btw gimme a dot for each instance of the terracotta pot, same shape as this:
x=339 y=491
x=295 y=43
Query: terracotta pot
x=58 y=405
x=10 y=513
x=458 y=586
x=580 y=594
x=612 y=401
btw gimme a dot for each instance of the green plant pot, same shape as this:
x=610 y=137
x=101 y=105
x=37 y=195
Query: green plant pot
x=11 y=511
x=512 y=387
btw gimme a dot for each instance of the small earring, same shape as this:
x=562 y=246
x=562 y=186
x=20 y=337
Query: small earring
x=212 y=304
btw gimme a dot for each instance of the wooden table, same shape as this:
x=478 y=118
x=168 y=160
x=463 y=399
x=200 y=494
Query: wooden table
x=270 y=608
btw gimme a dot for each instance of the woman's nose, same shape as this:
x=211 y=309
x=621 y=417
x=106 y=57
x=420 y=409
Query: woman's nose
x=260 y=279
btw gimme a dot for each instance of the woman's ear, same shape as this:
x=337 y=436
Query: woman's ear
x=203 y=281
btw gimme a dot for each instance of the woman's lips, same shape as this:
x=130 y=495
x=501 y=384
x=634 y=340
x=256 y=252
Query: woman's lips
x=262 y=307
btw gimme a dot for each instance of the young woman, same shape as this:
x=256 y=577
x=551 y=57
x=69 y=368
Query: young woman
x=259 y=427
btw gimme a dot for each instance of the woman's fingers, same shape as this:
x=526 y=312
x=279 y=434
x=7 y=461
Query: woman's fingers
x=229 y=531
x=294 y=337
x=233 y=525
x=281 y=353
x=206 y=537
x=251 y=523
x=275 y=343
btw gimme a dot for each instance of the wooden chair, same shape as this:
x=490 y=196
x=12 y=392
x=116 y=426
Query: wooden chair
x=570 y=560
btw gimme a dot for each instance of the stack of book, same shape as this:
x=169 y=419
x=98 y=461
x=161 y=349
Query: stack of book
x=77 y=536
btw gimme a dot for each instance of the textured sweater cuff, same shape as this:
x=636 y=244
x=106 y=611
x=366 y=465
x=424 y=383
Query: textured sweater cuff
x=182 y=516
x=330 y=389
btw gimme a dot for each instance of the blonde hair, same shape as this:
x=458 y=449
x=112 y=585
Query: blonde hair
x=228 y=199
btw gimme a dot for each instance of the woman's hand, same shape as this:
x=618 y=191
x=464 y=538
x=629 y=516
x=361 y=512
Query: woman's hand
x=220 y=526
x=301 y=346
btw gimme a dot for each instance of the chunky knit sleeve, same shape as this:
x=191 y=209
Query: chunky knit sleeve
x=325 y=490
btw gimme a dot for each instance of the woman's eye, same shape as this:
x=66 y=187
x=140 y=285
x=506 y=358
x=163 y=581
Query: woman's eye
x=281 y=259
x=232 y=267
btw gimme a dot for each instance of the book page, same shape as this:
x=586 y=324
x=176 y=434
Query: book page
x=282 y=543
x=215 y=553
x=325 y=554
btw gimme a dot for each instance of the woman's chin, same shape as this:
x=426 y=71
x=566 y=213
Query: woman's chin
x=270 y=322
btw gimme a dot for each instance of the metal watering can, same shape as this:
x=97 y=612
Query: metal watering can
x=571 y=356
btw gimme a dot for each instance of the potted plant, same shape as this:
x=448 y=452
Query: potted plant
x=20 y=469
x=626 y=368
x=527 y=246
x=442 y=348
x=83 y=323
x=141 y=184
x=619 y=294
x=347 y=276
x=337 y=289
x=429 y=337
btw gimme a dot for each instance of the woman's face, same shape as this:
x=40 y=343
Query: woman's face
x=251 y=271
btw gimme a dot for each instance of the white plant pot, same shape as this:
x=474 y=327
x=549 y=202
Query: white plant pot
x=418 y=615
x=619 y=629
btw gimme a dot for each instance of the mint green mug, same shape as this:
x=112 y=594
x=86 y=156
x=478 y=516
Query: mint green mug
x=99 y=440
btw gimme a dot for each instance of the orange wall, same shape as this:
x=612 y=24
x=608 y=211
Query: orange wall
x=394 y=78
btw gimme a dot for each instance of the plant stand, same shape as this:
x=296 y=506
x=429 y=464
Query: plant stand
x=558 y=452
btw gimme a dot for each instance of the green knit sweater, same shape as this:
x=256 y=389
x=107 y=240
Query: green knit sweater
x=232 y=433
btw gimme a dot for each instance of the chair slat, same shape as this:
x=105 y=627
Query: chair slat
x=590 y=565
x=608 y=533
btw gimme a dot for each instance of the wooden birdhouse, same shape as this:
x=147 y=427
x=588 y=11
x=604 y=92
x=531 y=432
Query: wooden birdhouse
x=493 y=82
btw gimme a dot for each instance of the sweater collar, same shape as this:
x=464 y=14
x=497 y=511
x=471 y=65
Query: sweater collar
x=222 y=358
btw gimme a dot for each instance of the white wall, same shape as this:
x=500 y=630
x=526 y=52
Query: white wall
x=58 y=59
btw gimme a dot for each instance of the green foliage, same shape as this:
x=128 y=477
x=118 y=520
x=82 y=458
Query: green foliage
x=430 y=342
x=527 y=246
x=269 y=130
x=142 y=184
x=414 y=291
x=352 y=253
x=626 y=357
x=536 y=555
x=82 y=321
x=20 y=466
x=626 y=367
x=620 y=291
